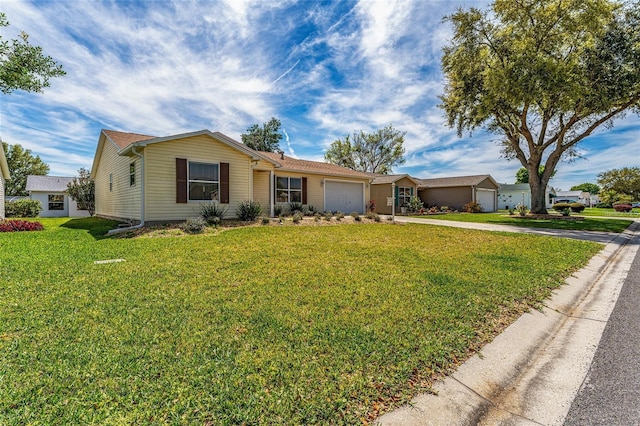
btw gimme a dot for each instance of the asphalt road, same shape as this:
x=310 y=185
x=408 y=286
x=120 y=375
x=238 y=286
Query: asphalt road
x=610 y=394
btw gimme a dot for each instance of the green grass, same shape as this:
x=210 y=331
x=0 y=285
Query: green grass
x=593 y=211
x=256 y=325
x=502 y=218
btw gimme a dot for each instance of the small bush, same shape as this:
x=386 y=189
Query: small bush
x=194 y=225
x=622 y=207
x=25 y=207
x=248 y=210
x=19 y=225
x=603 y=205
x=444 y=208
x=577 y=207
x=212 y=213
x=297 y=217
x=339 y=215
x=376 y=218
x=317 y=216
x=328 y=216
x=277 y=210
x=265 y=220
x=560 y=207
x=472 y=207
x=415 y=204
x=354 y=214
x=296 y=207
x=311 y=211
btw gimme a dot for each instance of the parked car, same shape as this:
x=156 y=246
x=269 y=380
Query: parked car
x=636 y=205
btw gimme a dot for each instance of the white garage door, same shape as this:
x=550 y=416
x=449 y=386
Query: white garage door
x=487 y=199
x=346 y=197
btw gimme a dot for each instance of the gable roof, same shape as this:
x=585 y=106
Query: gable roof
x=291 y=164
x=456 y=181
x=47 y=183
x=387 y=179
x=4 y=166
x=124 y=139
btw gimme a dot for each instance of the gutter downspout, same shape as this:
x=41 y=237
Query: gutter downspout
x=142 y=206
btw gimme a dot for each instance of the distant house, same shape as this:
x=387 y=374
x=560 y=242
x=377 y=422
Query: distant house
x=51 y=191
x=578 y=197
x=144 y=178
x=455 y=192
x=4 y=176
x=510 y=195
x=399 y=187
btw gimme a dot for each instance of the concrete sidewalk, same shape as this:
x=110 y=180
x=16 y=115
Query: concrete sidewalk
x=530 y=374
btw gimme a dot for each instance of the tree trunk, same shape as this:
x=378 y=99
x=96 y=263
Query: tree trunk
x=538 y=194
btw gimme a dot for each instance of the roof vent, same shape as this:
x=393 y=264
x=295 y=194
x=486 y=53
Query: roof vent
x=281 y=154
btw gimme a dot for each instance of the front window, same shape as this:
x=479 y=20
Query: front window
x=404 y=196
x=56 y=202
x=288 y=190
x=204 y=182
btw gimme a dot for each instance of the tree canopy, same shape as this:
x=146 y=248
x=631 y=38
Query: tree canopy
x=22 y=164
x=591 y=188
x=624 y=181
x=522 y=175
x=23 y=66
x=376 y=152
x=543 y=75
x=265 y=138
x=82 y=190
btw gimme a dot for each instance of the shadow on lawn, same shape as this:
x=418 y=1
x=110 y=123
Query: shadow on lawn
x=96 y=227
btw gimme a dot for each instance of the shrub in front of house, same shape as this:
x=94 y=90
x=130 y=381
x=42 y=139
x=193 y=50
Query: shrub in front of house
x=25 y=207
x=560 y=207
x=194 y=225
x=328 y=216
x=19 y=225
x=626 y=208
x=212 y=213
x=472 y=207
x=577 y=207
x=297 y=217
x=296 y=207
x=248 y=210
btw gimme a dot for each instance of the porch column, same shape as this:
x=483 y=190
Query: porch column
x=271 y=193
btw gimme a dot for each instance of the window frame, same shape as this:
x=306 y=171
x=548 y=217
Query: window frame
x=402 y=195
x=51 y=202
x=288 y=190
x=216 y=182
x=132 y=174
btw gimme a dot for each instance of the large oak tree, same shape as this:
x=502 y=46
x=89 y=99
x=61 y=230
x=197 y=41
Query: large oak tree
x=542 y=74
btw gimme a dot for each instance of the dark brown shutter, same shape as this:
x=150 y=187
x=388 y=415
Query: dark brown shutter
x=181 y=180
x=304 y=190
x=224 y=183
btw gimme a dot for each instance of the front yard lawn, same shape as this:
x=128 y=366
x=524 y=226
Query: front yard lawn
x=255 y=325
x=502 y=218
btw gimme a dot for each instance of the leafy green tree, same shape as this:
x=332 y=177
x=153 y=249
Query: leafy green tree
x=591 y=188
x=542 y=74
x=83 y=191
x=376 y=152
x=522 y=175
x=265 y=138
x=23 y=66
x=22 y=164
x=624 y=181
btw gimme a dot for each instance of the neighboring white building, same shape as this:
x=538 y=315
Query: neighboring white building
x=51 y=191
x=4 y=175
x=510 y=195
x=578 y=197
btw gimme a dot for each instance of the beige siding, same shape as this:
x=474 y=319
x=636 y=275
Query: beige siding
x=160 y=175
x=123 y=201
x=487 y=184
x=261 y=189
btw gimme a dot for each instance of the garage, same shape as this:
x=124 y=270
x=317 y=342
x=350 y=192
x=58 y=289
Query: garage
x=487 y=199
x=344 y=196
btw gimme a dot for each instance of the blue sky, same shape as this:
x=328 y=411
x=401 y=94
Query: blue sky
x=324 y=68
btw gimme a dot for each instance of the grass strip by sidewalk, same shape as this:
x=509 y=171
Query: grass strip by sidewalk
x=257 y=325
x=587 y=224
